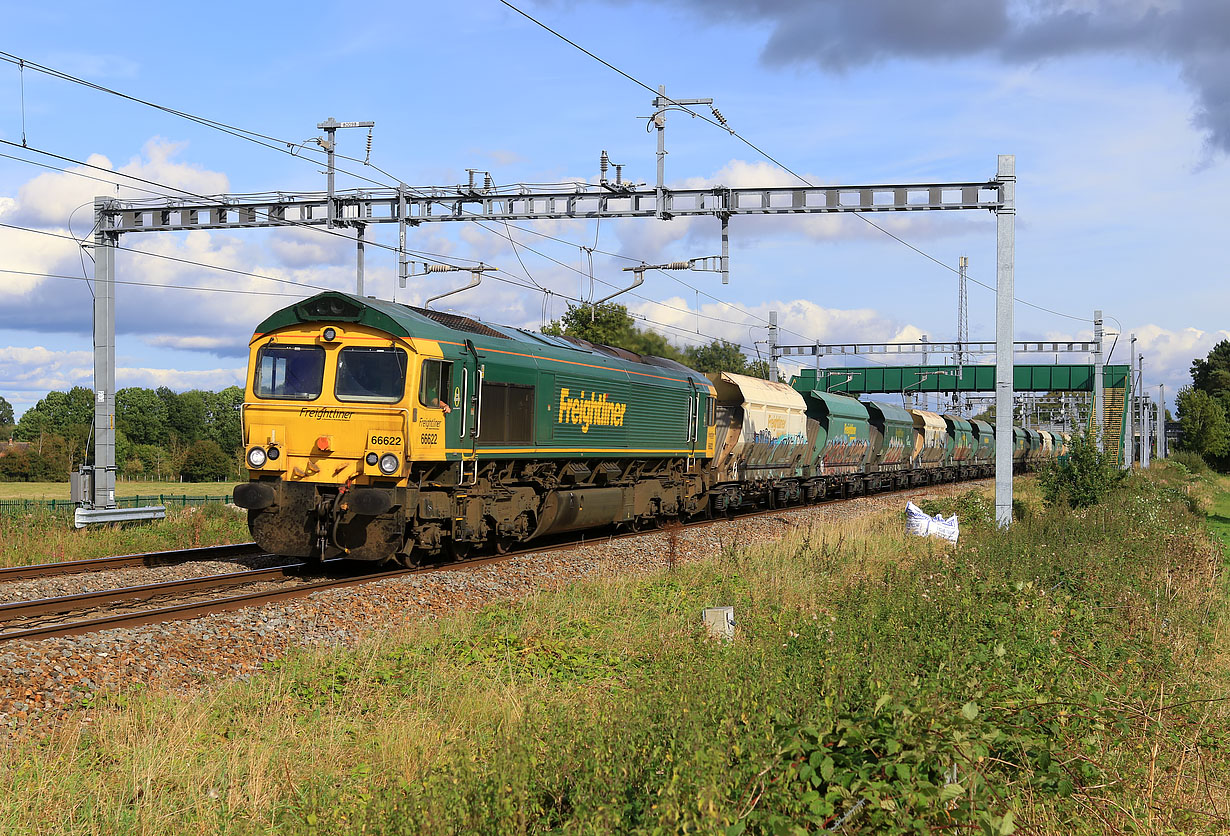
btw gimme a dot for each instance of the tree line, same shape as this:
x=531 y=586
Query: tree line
x=1204 y=408
x=612 y=325
x=160 y=435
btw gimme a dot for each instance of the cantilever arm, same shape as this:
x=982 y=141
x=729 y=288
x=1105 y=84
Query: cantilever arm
x=476 y=278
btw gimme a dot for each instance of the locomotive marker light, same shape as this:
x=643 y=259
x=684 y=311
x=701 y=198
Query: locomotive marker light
x=257 y=457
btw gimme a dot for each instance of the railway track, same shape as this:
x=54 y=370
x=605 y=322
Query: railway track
x=73 y=567
x=134 y=606
x=161 y=602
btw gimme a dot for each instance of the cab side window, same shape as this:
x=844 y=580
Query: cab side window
x=436 y=385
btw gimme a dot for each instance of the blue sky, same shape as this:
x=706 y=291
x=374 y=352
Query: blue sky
x=1116 y=111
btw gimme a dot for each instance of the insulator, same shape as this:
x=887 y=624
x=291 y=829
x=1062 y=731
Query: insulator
x=440 y=268
x=603 y=162
x=488 y=183
x=717 y=114
x=679 y=265
x=369 y=145
x=619 y=175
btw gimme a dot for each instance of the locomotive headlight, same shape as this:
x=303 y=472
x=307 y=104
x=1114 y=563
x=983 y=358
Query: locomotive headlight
x=256 y=457
x=389 y=463
x=372 y=458
x=330 y=334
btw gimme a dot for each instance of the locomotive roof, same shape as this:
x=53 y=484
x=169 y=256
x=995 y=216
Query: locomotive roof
x=409 y=321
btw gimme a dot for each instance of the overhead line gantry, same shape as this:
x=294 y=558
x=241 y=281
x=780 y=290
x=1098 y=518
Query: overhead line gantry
x=412 y=207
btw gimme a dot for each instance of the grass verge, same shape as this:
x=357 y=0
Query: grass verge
x=59 y=490
x=1066 y=676
x=44 y=537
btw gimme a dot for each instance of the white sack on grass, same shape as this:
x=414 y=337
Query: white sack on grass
x=918 y=522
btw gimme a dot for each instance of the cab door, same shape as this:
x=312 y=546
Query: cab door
x=695 y=442
x=466 y=402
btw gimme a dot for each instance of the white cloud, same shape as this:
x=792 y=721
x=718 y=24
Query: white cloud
x=1168 y=353
x=307 y=248
x=800 y=322
x=179 y=380
x=27 y=374
x=38 y=369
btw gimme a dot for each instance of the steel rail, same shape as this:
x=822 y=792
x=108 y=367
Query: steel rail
x=182 y=612
x=67 y=603
x=72 y=567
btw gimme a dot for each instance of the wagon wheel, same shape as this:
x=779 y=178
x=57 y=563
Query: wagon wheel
x=503 y=543
x=458 y=551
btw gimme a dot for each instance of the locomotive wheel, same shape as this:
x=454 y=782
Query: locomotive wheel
x=503 y=544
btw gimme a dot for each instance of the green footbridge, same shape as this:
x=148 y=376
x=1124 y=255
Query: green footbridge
x=896 y=380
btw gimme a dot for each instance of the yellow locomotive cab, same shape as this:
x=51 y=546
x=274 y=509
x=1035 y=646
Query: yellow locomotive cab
x=350 y=407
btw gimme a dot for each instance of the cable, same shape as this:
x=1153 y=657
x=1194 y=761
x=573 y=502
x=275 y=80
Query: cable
x=210 y=199
x=256 y=137
x=670 y=275
x=171 y=258
x=607 y=283
x=766 y=155
x=249 y=135
x=513 y=244
x=81 y=250
x=69 y=171
x=155 y=285
x=282 y=146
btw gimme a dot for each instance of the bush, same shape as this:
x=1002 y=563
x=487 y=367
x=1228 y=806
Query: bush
x=1194 y=462
x=1084 y=479
x=206 y=462
x=972 y=508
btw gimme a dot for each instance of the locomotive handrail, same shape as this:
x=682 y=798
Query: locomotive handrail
x=478 y=405
x=465 y=401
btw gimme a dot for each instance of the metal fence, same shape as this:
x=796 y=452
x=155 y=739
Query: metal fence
x=18 y=506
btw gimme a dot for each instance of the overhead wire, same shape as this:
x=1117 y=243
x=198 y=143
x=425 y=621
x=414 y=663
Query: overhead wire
x=213 y=199
x=767 y=156
x=265 y=140
x=257 y=137
x=154 y=284
x=170 y=258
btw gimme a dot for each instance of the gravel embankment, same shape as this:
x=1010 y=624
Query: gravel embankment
x=55 y=586
x=41 y=681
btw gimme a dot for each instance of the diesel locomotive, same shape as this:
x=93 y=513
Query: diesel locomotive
x=379 y=431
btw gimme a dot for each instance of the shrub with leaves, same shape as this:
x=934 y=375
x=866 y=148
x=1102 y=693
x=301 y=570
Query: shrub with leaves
x=1083 y=479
